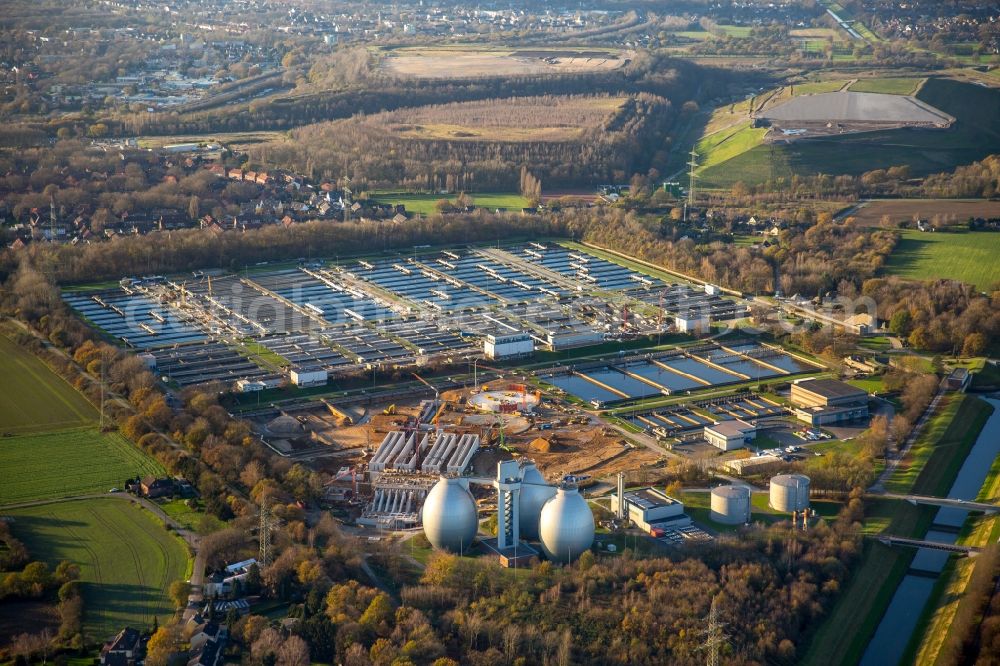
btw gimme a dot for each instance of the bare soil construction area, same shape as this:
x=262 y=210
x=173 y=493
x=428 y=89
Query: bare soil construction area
x=447 y=64
x=845 y=112
x=902 y=210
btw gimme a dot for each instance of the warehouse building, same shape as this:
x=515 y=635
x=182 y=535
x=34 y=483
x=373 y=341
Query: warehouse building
x=502 y=345
x=730 y=435
x=651 y=510
x=824 y=401
x=305 y=376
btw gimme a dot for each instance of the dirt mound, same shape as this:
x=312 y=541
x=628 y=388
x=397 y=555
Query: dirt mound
x=541 y=445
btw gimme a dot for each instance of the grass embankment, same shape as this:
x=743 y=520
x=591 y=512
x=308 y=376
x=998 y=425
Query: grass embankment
x=127 y=559
x=929 y=469
x=949 y=591
x=67 y=463
x=968 y=256
x=426 y=204
x=889 y=85
x=42 y=400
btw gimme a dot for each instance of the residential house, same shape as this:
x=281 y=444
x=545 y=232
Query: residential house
x=152 y=486
x=205 y=632
x=123 y=650
x=209 y=654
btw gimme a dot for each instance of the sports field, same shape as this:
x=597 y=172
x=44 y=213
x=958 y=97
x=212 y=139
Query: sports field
x=969 y=256
x=127 y=559
x=36 y=398
x=426 y=204
x=70 y=462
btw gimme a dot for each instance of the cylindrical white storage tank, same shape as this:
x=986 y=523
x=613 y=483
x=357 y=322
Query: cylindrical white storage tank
x=449 y=516
x=534 y=495
x=789 y=492
x=731 y=505
x=566 y=527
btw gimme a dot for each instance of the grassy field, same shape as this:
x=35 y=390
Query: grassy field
x=426 y=204
x=68 y=462
x=478 y=60
x=727 y=144
x=43 y=400
x=975 y=135
x=127 y=559
x=818 y=87
x=889 y=85
x=967 y=256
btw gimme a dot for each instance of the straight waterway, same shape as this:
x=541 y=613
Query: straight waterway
x=900 y=620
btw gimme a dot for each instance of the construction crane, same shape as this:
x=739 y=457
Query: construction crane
x=502 y=442
x=423 y=381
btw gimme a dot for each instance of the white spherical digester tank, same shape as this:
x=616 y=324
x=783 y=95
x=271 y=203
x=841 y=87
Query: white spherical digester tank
x=534 y=495
x=566 y=527
x=450 y=517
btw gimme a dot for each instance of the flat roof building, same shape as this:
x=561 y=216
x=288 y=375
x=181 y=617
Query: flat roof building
x=730 y=435
x=650 y=508
x=823 y=401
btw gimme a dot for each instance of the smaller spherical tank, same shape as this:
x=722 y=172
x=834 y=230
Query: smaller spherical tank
x=731 y=505
x=449 y=516
x=566 y=528
x=789 y=492
x=534 y=495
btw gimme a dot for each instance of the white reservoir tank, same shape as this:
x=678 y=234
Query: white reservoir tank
x=789 y=492
x=731 y=505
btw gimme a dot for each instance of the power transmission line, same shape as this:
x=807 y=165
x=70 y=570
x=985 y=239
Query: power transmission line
x=715 y=637
x=265 y=534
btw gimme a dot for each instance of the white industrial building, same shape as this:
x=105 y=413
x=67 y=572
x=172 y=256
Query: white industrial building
x=730 y=435
x=650 y=509
x=508 y=345
x=308 y=376
x=692 y=322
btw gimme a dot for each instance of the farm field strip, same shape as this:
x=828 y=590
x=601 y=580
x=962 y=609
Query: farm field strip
x=42 y=400
x=967 y=256
x=68 y=462
x=127 y=558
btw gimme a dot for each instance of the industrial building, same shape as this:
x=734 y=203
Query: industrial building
x=306 y=376
x=650 y=509
x=730 y=435
x=504 y=345
x=824 y=401
x=692 y=322
x=754 y=465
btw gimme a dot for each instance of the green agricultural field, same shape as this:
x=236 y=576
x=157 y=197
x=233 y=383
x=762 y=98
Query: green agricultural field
x=37 y=398
x=817 y=87
x=68 y=462
x=968 y=256
x=426 y=204
x=127 y=559
x=889 y=85
x=975 y=135
x=727 y=144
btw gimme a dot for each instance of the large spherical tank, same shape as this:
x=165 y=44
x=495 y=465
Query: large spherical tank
x=450 y=517
x=533 y=497
x=731 y=505
x=789 y=492
x=566 y=528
